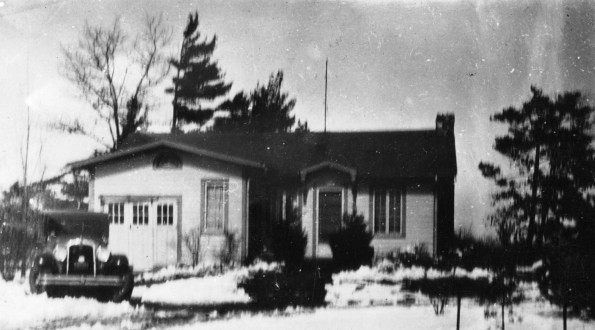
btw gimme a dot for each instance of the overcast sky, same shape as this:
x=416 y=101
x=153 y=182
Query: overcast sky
x=392 y=65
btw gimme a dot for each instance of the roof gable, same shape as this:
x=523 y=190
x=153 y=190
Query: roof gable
x=124 y=152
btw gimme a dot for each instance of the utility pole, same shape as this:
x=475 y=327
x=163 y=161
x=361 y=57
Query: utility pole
x=325 y=92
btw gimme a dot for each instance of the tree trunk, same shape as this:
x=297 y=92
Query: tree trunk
x=174 y=120
x=564 y=315
x=503 y=324
x=531 y=228
x=458 y=310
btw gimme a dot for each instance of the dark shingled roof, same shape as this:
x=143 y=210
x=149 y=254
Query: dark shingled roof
x=383 y=154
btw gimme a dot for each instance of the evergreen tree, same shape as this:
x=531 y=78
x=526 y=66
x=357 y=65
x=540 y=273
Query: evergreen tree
x=198 y=79
x=267 y=109
x=271 y=108
x=239 y=115
x=549 y=148
x=549 y=198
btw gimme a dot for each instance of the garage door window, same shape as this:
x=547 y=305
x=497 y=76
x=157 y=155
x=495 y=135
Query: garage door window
x=140 y=214
x=115 y=212
x=165 y=214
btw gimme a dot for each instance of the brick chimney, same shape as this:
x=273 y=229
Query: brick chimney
x=445 y=123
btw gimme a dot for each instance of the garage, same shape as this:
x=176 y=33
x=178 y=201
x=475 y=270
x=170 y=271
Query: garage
x=145 y=229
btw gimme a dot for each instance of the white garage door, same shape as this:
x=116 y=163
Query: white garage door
x=145 y=231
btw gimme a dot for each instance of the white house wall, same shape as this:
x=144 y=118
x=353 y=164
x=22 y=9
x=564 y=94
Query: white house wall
x=419 y=217
x=137 y=177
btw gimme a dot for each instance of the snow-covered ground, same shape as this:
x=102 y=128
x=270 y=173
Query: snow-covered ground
x=381 y=286
x=350 y=297
x=221 y=289
x=19 y=309
x=386 y=317
x=208 y=290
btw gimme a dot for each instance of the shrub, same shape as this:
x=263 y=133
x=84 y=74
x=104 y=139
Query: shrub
x=289 y=241
x=192 y=242
x=227 y=254
x=418 y=257
x=351 y=244
x=277 y=289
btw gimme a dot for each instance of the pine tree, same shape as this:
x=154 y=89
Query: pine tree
x=548 y=145
x=267 y=109
x=271 y=108
x=198 y=78
x=239 y=115
x=548 y=200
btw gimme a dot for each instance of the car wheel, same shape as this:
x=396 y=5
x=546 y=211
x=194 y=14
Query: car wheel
x=33 y=276
x=125 y=291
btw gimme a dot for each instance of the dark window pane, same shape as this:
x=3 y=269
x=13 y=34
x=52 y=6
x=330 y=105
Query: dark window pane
x=110 y=212
x=380 y=211
x=121 y=212
x=146 y=214
x=159 y=214
x=135 y=214
x=394 y=209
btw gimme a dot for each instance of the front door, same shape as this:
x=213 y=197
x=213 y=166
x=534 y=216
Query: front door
x=330 y=207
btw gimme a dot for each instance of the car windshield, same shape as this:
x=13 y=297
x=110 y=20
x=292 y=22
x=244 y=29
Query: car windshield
x=90 y=225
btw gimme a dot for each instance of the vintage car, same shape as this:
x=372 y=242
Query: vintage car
x=75 y=258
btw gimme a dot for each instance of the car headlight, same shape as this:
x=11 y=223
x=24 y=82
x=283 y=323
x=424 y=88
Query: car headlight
x=103 y=254
x=60 y=253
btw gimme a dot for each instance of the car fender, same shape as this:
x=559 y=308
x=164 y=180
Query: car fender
x=46 y=261
x=117 y=264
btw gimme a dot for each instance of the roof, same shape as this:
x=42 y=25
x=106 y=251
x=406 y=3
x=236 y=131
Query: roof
x=133 y=150
x=381 y=154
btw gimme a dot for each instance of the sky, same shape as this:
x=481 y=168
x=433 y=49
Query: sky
x=392 y=65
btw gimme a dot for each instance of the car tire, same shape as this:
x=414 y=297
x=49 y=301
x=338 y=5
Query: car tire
x=125 y=291
x=33 y=276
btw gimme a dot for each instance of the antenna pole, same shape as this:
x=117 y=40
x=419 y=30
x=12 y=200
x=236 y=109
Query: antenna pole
x=325 y=92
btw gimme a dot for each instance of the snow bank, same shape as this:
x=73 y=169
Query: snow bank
x=177 y=272
x=208 y=290
x=19 y=309
x=378 y=275
x=196 y=291
x=375 y=286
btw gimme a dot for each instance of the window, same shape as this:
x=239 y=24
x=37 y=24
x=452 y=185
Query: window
x=115 y=213
x=165 y=214
x=167 y=160
x=215 y=196
x=140 y=214
x=388 y=211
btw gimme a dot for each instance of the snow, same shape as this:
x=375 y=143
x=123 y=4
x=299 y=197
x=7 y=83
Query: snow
x=382 y=285
x=20 y=309
x=195 y=291
x=366 y=298
x=380 y=275
x=218 y=289
x=415 y=317
x=178 y=272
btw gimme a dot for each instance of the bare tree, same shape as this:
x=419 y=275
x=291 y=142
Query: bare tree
x=114 y=73
x=192 y=241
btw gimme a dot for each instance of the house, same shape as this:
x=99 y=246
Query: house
x=157 y=188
